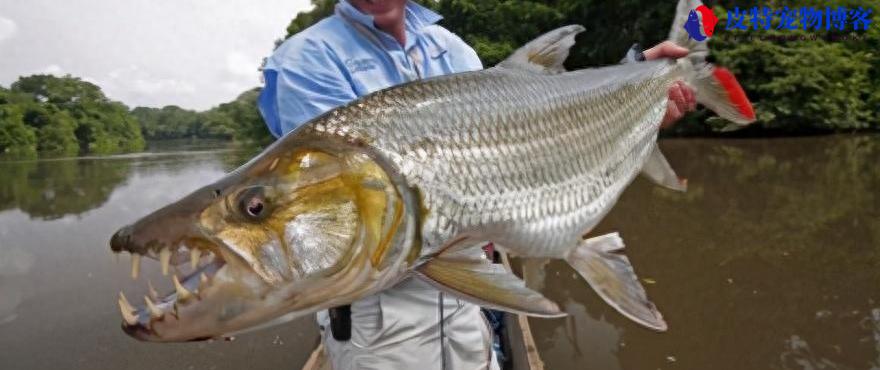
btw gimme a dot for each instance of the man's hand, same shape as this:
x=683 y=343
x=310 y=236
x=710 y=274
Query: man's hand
x=681 y=96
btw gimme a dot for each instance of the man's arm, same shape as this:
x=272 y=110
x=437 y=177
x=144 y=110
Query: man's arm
x=302 y=82
x=462 y=56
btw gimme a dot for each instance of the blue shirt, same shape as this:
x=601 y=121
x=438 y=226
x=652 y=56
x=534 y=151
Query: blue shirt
x=345 y=56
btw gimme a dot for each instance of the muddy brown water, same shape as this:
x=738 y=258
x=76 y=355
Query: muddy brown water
x=770 y=261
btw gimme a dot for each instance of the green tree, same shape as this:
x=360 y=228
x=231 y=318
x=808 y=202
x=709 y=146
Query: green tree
x=58 y=137
x=320 y=10
x=16 y=138
x=815 y=85
x=65 y=115
x=173 y=122
x=247 y=123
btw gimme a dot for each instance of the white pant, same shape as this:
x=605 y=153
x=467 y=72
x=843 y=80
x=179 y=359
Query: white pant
x=399 y=328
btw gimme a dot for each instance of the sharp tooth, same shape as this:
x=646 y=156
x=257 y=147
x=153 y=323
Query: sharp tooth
x=155 y=312
x=135 y=265
x=203 y=283
x=165 y=258
x=126 y=310
x=153 y=293
x=182 y=293
x=124 y=302
x=194 y=255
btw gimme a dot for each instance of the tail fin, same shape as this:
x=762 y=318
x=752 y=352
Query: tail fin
x=600 y=262
x=716 y=88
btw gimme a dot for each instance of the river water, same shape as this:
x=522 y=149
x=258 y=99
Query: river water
x=770 y=261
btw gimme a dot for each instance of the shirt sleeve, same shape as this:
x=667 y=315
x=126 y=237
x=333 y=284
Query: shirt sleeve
x=462 y=56
x=302 y=81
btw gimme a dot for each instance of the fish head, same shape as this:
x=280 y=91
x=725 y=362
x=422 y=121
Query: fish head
x=291 y=232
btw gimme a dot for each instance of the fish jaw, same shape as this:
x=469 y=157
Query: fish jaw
x=293 y=231
x=209 y=309
x=206 y=300
x=237 y=301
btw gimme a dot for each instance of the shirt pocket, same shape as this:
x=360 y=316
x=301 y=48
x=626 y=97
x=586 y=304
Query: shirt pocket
x=366 y=321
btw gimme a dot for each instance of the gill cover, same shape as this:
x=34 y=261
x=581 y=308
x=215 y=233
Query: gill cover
x=307 y=214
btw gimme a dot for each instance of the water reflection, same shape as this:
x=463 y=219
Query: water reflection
x=14 y=263
x=770 y=261
x=52 y=189
x=799 y=356
x=58 y=280
x=776 y=239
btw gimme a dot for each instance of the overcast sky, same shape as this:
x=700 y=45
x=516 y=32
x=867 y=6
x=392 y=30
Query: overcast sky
x=191 y=53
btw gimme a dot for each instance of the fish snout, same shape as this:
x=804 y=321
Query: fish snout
x=146 y=239
x=119 y=241
x=165 y=228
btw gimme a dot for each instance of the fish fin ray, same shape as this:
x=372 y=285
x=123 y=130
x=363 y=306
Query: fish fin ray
x=658 y=170
x=600 y=262
x=635 y=54
x=545 y=54
x=718 y=90
x=487 y=284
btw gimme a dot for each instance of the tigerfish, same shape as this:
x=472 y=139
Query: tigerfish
x=405 y=182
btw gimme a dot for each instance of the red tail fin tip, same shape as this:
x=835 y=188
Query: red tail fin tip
x=734 y=92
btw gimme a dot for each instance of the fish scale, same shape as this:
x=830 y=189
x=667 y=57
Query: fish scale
x=491 y=146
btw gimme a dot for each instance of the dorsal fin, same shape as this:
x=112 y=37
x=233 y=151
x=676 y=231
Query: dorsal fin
x=546 y=53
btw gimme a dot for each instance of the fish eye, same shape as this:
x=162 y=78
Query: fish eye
x=255 y=207
x=252 y=203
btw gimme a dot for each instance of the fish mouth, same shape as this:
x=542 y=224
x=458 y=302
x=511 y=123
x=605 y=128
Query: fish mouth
x=189 y=288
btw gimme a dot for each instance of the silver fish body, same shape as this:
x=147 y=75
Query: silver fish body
x=530 y=161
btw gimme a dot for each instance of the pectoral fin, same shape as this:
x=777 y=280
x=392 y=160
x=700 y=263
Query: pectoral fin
x=599 y=261
x=658 y=170
x=487 y=284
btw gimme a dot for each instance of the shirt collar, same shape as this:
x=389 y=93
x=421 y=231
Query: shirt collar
x=417 y=16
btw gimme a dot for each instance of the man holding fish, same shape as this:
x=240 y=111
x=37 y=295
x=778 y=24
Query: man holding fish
x=366 y=46
x=400 y=159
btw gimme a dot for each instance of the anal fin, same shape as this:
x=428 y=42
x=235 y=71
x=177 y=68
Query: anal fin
x=487 y=284
x=658 y=170
x=599 y=261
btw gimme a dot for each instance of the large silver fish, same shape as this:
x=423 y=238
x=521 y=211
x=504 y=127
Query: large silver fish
x=407 y=181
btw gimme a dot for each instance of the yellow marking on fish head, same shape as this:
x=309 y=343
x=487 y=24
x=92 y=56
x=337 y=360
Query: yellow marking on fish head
x=305 y=215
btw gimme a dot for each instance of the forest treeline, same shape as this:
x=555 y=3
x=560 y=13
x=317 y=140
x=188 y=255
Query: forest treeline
x=62 y=116
x=822 y=82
